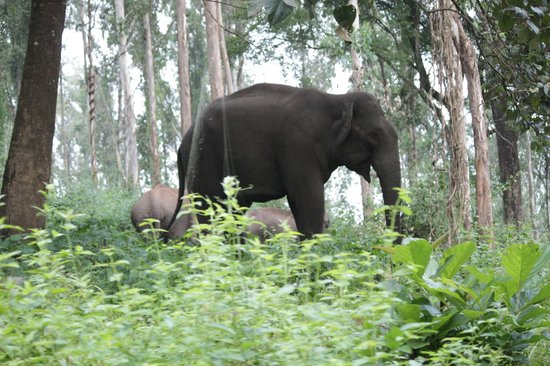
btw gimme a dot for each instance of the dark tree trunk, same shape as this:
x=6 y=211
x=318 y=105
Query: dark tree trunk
x=508 y=163
x=30 y=155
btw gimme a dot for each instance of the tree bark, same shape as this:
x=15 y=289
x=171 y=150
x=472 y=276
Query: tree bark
x=508 y=163
x=215 y=74
x=445 y=34
x=30 y=155
x=225 y=57
x=131 y=162
x=357 y=78
x=468 y=59
x=151 y=99
x=65 y=151
x=91 y=82
x=530 y=180
x=183 y=67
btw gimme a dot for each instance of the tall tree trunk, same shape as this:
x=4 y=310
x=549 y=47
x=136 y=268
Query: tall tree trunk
x=445 y=34
x=225 y=57
x=213 y=49
x=357 y=78
x=131 y=162
x=183 y=67
x=508 y=162
x=63 y=131
x=91 y=82
x=151 y=96
x=30 y=155
x=469 y=62
x=530 y=180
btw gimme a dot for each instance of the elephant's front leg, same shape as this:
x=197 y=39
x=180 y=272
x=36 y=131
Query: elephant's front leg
x=307 y=202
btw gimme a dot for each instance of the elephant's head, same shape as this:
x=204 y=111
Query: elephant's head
x=364 y=139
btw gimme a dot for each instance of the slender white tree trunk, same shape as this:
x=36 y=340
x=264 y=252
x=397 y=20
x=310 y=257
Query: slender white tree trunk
x=183 y=67
x=215 y=74
x=131 y=162
x=151 y=99
x=530 y=180
x=225 y=57
x=357 y=78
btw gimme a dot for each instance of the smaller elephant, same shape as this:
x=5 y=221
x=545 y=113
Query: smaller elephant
x=273 y=220
x=159 y=203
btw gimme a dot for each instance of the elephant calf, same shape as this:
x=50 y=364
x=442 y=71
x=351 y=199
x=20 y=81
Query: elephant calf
x=159 y=203
x=273 y=220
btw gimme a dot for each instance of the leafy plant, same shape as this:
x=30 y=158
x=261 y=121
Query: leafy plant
x=457 y=303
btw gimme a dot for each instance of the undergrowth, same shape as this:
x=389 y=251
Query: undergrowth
x=87 y=290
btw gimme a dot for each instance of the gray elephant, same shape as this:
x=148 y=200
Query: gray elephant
x=285 y=141
x=159 y=203
x=272 y=220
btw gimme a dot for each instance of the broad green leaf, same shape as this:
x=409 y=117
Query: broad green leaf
x=518 y=261
x=409 y=312
x=277 y=11
x=542 y=295
x=455 y=257
x=417 y=253
x=542 y=263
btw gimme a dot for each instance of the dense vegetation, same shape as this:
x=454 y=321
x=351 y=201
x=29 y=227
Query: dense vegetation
x=90 y=290
x=87 y=289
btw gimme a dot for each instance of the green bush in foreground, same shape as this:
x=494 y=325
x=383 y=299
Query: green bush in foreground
x=228 y=301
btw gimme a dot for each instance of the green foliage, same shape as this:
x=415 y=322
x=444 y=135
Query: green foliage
x=500 y=312
x=66 y=298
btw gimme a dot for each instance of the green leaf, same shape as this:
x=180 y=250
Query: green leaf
x=277 y=11
x=417 y=253
x=542 y=295
x=455 y=257
x=542 y=263
x=345 y=16
x=518 y=262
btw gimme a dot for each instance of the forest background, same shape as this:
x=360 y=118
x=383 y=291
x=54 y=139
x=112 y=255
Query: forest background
x=465 y=83
x=120 y=119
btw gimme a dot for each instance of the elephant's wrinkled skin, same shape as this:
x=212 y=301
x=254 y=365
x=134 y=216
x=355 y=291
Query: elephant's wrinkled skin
x=272 y=220
x=159 y=203
x=280 y=140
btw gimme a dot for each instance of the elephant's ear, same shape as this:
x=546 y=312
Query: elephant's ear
x=342 y=127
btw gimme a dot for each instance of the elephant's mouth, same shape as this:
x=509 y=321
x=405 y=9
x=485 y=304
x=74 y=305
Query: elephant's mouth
x=362 y=168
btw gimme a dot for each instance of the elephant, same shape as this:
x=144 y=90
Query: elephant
x=270 y=221
x=159 y=203
x=281 y=141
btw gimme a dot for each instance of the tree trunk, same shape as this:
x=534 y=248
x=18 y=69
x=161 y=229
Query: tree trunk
x=225 y=57
x=508 y=163
x=91 y=82
x=213 y=49
x=183 y=67
x=445 y=34
x=30 y=155
x=65 y=151
x=357 y=78
x=469 y=62
x=131 y=163
x=151 y=96
x=530 y=180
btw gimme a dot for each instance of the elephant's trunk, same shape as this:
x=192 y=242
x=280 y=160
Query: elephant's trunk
x=387 y=166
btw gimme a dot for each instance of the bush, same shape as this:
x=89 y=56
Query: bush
x=226 y=300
